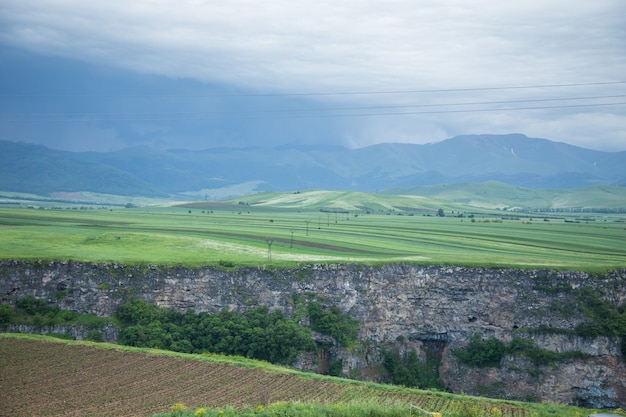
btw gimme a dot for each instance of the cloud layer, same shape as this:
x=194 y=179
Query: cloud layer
x=283 y=47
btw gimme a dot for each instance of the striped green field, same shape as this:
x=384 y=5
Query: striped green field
x=286 y=229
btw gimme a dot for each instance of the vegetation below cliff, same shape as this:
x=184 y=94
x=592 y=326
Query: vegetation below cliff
x=256 y=333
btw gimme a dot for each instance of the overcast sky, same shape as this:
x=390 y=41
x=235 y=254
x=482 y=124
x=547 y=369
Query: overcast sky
x=101 y=75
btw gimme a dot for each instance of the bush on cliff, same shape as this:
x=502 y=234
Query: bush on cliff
x=332 y=322
x=409 y=371
x=604 y=318
x=6 y=314
x=257 y=333
x=479 y=352
x=36 y=312
x=482 y=353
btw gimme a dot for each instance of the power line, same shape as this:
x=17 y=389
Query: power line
x=303 y=116
x=312 y=94
x=326 y=109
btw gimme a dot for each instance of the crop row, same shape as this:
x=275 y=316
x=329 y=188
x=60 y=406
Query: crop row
x=57 y=378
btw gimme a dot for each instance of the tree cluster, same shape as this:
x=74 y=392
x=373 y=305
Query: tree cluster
x=489 y=352
x=343 y=328
x=36 y=312
x=479 y=352
x=409 y=371
x=257 y=333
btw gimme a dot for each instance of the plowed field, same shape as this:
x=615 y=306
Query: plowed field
x=49 y=378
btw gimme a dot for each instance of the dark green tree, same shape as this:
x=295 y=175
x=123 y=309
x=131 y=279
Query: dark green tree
x=343 y=328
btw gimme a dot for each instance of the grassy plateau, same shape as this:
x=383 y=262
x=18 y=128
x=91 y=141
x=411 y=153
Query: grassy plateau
x=322 y=226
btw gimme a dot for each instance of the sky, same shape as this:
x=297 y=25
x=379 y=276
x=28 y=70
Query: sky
x=103 y=75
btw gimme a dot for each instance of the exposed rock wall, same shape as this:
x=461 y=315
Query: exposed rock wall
x=422 y=305
x=109 y=333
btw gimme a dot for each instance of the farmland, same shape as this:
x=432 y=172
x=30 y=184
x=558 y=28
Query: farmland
x=45 y=376
x=288 y=229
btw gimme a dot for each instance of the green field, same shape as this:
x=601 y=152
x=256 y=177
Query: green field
x=287 y=229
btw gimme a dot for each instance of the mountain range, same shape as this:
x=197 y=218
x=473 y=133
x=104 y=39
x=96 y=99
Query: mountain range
x=225 y=172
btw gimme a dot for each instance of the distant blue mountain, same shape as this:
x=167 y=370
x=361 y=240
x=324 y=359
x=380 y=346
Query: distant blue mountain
x=513 y=159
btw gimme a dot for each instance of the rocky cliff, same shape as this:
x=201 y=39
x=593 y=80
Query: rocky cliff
x=435 y=308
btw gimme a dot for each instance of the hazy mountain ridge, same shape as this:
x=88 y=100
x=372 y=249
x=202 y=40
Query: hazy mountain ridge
x=38 y=170
x=512 y=159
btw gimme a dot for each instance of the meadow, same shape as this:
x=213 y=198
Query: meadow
x=288 y=229
x=44 y=376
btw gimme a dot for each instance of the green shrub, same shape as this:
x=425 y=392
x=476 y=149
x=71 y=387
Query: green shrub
x=226 y=264
x=410 y=372
x=489 y=352
x=332 y=322
x=481 y=353
x=6 y=314
x=538 y=356
x=604 y=318
x=31 y=305
x=29 y=310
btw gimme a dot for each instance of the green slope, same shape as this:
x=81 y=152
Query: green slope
x=503 y=196
x=350 y=201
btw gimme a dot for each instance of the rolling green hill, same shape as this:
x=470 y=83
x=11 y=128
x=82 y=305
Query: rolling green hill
x=350 y=201
x=495 y=195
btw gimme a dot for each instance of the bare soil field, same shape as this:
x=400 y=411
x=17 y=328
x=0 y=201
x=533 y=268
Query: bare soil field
x=49 y=378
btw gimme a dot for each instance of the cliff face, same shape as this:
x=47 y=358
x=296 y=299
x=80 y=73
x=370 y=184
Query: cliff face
x=401 y=305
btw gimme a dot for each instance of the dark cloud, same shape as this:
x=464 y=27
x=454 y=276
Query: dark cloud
x=119 y=60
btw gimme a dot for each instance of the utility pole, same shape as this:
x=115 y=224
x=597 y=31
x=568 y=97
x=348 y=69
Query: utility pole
x=269 y=242
x=292 y=231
